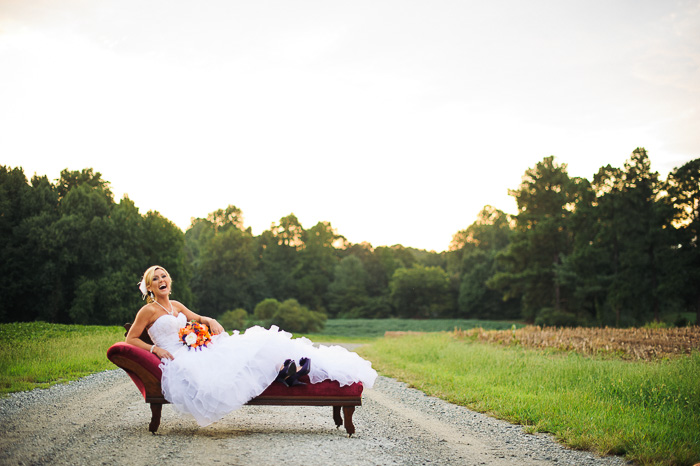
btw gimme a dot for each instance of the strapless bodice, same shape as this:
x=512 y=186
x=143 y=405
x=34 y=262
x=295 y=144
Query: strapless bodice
x=164 y=331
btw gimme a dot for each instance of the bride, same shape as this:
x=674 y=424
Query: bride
x=210 y=381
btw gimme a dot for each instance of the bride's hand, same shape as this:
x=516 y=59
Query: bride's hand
x=162 y=353
x=215 y=327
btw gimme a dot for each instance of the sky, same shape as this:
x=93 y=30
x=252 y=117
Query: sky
x=395 y=121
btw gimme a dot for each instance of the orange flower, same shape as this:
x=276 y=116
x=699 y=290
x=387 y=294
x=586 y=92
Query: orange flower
x=194 y=335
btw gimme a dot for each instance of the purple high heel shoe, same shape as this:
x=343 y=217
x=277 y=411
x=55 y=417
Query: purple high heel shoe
x=293 y=379
x=284 y=372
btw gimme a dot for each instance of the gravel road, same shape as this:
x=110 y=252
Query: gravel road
x=102 y=419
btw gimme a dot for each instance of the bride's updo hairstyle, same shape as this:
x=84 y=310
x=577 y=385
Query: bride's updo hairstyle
x=148 y=278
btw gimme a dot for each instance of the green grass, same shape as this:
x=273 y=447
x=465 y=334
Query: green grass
x=37 y=354
x=323 y=338
x=647 y=411
x=368 y=328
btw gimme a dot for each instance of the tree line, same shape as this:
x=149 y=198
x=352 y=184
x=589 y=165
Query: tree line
x=620 y=249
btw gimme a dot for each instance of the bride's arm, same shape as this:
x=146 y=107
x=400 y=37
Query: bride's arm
x=213 y=325
x=137 y=327
x=143 y=318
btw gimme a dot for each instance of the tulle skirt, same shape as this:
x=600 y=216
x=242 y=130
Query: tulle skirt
x=233 y=369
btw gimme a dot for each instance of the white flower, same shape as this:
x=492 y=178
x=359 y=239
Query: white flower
x=142 y=288
x=191 y=339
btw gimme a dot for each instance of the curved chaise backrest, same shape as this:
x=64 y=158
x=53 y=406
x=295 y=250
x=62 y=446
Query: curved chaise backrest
x=141 y=365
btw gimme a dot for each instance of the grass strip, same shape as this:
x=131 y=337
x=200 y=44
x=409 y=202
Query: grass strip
x=368 y=328
x=647 y=411
x=37 y=354
x=334 y=339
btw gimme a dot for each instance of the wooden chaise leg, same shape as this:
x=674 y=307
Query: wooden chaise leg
x=156 y=409
x=336 y=417
x=349 y=426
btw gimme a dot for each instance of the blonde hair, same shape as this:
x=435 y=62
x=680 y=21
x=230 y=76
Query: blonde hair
x=148 y=278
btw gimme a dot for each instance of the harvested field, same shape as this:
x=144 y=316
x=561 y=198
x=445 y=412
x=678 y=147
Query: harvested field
x=629 y=343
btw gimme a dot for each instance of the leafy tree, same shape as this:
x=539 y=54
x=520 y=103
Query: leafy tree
x=37 y=258
x=101 y=288
x=377 y=281
x=231 y=217
x=226 y=267
x=83 y=238
x=164 y=244
x=289 y=231
x=86 y=177
x=428 y=258
x=420 y=292
x=542 y=236
x=683 y=197
x=317 y=261
x=106 y=299
x=490 y=231
x=278 y=259
x=348 y=291
x=478 y=246
x=379 y=266
x=621 y=266
x=223 y=262
x=393 y=258
x=197 y=235
x=25 y=269
x=643 y=243
x=403 y=257
x=587 y=270
x=683 y=193
x=72 y=245
x=619 y=250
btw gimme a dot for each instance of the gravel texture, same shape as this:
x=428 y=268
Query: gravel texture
x=102 y=419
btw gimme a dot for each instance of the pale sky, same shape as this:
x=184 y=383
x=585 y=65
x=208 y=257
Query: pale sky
x=396 y=121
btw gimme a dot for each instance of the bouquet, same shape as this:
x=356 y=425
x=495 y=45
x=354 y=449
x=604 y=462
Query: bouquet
x=194 y=335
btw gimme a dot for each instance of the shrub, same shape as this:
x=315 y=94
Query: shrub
x=266 y=309
x=294 y=317
x=234 y=320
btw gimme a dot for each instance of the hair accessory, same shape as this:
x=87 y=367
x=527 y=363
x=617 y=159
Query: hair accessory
x=142 y=289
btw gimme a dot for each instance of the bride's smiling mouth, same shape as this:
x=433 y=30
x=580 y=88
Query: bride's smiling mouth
x=161 y=282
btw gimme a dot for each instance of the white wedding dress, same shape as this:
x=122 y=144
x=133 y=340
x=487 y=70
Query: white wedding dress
x=233 y=369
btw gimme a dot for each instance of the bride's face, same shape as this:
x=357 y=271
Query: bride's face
x=160 y=285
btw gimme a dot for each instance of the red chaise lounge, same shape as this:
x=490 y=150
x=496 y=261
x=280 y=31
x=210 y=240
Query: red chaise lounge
x=142 y=367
